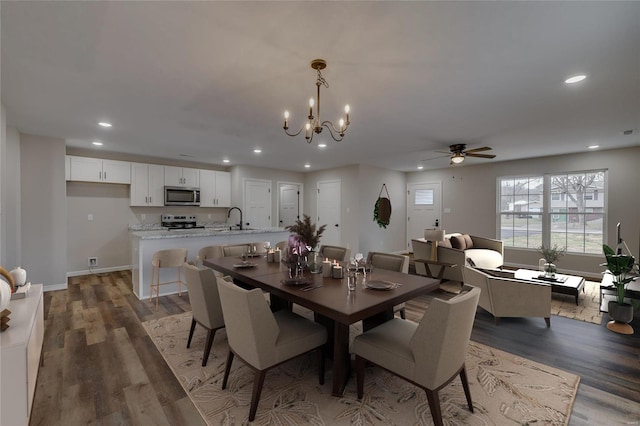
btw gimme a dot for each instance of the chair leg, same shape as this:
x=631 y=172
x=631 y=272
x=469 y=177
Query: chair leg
x=496 y=320
x=193 y=327
x=255 y=396
x=402 y=314
x=465 y=386
x=207 y=349
x=153 y=270
x=360 y=362
x=179 y=282
x=548 y=321
x=321 y=361
x=434 y=405
x=227 y=369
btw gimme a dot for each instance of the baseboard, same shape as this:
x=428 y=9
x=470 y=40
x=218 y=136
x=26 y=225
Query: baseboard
x=98 y=271
x=54 y=287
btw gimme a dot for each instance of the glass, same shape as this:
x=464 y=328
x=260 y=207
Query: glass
x=352 y=278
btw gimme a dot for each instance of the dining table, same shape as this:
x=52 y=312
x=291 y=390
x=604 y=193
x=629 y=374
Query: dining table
x=333 y=304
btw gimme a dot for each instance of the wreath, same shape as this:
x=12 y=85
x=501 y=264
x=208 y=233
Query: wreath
x=382 y=209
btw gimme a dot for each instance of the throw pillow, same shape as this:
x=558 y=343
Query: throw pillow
x=458 y=242
x=446 y=243
x=468 y=240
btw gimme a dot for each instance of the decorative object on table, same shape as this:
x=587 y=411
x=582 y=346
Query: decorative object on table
x=336 y=271
x=434 y=236
x=19 y=276
x=304 y=241
x=4 y=319
x=550 y=255
x=382 y=209
x=326 y=268
x=619 y=266
x=315 y=124
x=6 y=288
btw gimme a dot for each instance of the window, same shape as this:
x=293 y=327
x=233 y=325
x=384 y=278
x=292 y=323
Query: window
x=423 y=197
x=574 y=212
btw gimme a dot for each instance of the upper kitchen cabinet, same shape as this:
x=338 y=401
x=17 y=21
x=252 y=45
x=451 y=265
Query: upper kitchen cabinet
x=147 y=185
x=181 y=176
x=96 y=170
x=215 y=188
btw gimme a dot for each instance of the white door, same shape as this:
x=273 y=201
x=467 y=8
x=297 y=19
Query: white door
x=257 y=204
x=289 y=202
x=424 y=209
x=329 y=193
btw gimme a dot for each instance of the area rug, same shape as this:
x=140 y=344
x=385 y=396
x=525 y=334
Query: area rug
x=506 y=389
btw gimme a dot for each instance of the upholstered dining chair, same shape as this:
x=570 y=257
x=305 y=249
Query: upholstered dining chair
x=263 y=339
x=429 y=354
x=209 y=252
x=205 y=304
x=335 y=252
x=235 y=250
x=171 y=258
x=281 y=245
x=391 y=262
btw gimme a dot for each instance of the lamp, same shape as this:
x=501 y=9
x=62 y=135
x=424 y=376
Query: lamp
x=314 y=125
x=457 y=158
x=433 y=236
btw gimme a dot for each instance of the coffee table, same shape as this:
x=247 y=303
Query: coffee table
x=571 y=285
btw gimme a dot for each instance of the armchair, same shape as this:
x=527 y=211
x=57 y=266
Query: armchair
x=503 y=296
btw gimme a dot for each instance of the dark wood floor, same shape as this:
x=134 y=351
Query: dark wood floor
x=100 y=367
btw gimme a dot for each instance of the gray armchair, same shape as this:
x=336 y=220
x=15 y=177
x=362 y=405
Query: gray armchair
x=263 y=339
x=429 y=354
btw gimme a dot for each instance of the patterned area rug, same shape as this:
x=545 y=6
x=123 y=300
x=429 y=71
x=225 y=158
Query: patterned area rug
x=506 y=389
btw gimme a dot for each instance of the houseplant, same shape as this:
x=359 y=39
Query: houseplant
x=619 y=266
x=551 y=254
x=306 y=239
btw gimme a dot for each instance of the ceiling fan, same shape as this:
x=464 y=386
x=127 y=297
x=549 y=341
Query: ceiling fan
x=459 y=151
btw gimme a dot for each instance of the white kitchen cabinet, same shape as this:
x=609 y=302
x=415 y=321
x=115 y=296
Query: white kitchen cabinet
x=97 y=170
x=67 y=167
x=147 y=185
x=181 y=176
x=20 y=351
x=215 y=188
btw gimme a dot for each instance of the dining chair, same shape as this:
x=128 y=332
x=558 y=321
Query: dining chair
x=391 y=262
x=335 y=252
x=282 y=245
x=205 y=304
x=429 y=354
x=263 y=339
x=209 y=252
x=235 y=250
x=171 y=258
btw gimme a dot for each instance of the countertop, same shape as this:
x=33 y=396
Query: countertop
x=163 y=233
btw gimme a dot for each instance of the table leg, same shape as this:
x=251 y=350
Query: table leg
x=341 y=358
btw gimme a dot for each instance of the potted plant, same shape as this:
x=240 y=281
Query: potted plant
x=619 y=266
x=550 y=255
x=305 y=240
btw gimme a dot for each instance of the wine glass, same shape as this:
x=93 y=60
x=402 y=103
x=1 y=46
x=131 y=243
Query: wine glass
x=267 y=246
x=359 y=257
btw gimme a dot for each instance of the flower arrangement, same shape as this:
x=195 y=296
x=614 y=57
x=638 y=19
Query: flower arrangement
x=307 y=236
x=551 y=253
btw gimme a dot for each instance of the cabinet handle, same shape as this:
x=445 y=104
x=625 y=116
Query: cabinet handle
x=99 y=175
x=146 y=199
x=105 y=175
x=149 y=200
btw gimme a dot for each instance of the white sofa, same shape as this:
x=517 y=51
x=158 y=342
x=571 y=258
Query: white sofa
x=485 y=253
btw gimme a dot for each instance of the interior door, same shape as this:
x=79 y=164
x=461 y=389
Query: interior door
x=257 y=203
x=424 y=209
x=289 y=204
x=328 y=208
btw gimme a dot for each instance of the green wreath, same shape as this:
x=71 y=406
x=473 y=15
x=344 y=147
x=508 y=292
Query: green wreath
x=382 y=209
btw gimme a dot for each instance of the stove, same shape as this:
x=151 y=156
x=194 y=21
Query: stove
x=174 y=222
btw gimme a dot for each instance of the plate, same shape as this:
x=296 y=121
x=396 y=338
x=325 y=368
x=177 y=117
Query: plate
x=380 y=285
x=244 y=265
x=296 y=281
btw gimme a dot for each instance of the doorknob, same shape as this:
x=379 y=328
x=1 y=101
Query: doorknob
x=336 y=225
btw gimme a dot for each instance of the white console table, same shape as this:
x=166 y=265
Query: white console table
x=20 y=350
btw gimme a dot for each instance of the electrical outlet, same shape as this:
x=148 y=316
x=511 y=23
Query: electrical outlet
x=93 y=262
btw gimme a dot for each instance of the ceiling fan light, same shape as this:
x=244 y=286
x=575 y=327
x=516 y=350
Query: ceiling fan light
x=457 y=158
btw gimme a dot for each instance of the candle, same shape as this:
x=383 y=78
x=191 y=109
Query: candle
x=276 y=255
x=270 y=256
x=326 y=268
x=336 y=271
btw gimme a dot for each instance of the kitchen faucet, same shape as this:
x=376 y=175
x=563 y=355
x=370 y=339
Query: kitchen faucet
x=229 y=214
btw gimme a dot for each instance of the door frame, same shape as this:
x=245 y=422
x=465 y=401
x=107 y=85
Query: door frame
x=300 y=186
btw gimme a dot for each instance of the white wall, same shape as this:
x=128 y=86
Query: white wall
x=11 y=236
x=43 y=210
x=470 y=193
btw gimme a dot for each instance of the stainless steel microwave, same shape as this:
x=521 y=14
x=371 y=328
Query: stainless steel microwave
x=180 y=196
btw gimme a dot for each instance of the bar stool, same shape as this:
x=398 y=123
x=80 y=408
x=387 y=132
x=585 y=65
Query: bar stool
x=172 y=258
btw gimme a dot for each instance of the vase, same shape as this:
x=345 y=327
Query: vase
x=549 y=270
x=314 y=262
x=19 y=276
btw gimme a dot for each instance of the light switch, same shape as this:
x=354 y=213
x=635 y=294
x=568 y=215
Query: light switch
x=447 y=210
x=90 y=217
x=143 y=216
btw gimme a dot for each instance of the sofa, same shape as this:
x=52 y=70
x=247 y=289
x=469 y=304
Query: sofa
x=504 y=296
x=461 y=250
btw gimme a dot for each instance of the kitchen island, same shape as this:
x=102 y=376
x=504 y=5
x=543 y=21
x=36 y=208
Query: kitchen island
x=145 y=243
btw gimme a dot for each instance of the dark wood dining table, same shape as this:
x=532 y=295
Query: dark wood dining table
x=332 y=303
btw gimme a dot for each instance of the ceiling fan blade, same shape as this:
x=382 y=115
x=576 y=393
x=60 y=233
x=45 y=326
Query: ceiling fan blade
x=443 y=152
x=471 y=154
x=435 y=158
x=484 y=148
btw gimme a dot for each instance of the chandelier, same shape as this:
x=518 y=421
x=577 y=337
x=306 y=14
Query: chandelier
x=315 y=125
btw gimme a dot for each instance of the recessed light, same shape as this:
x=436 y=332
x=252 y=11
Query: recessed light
x=593 y=146
x=257 y=150
x=575 y=79
x=322 y=145
x=306 y=166
x=420 y=167
x=104 y=124
x=226 y=160
x=97 y=143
